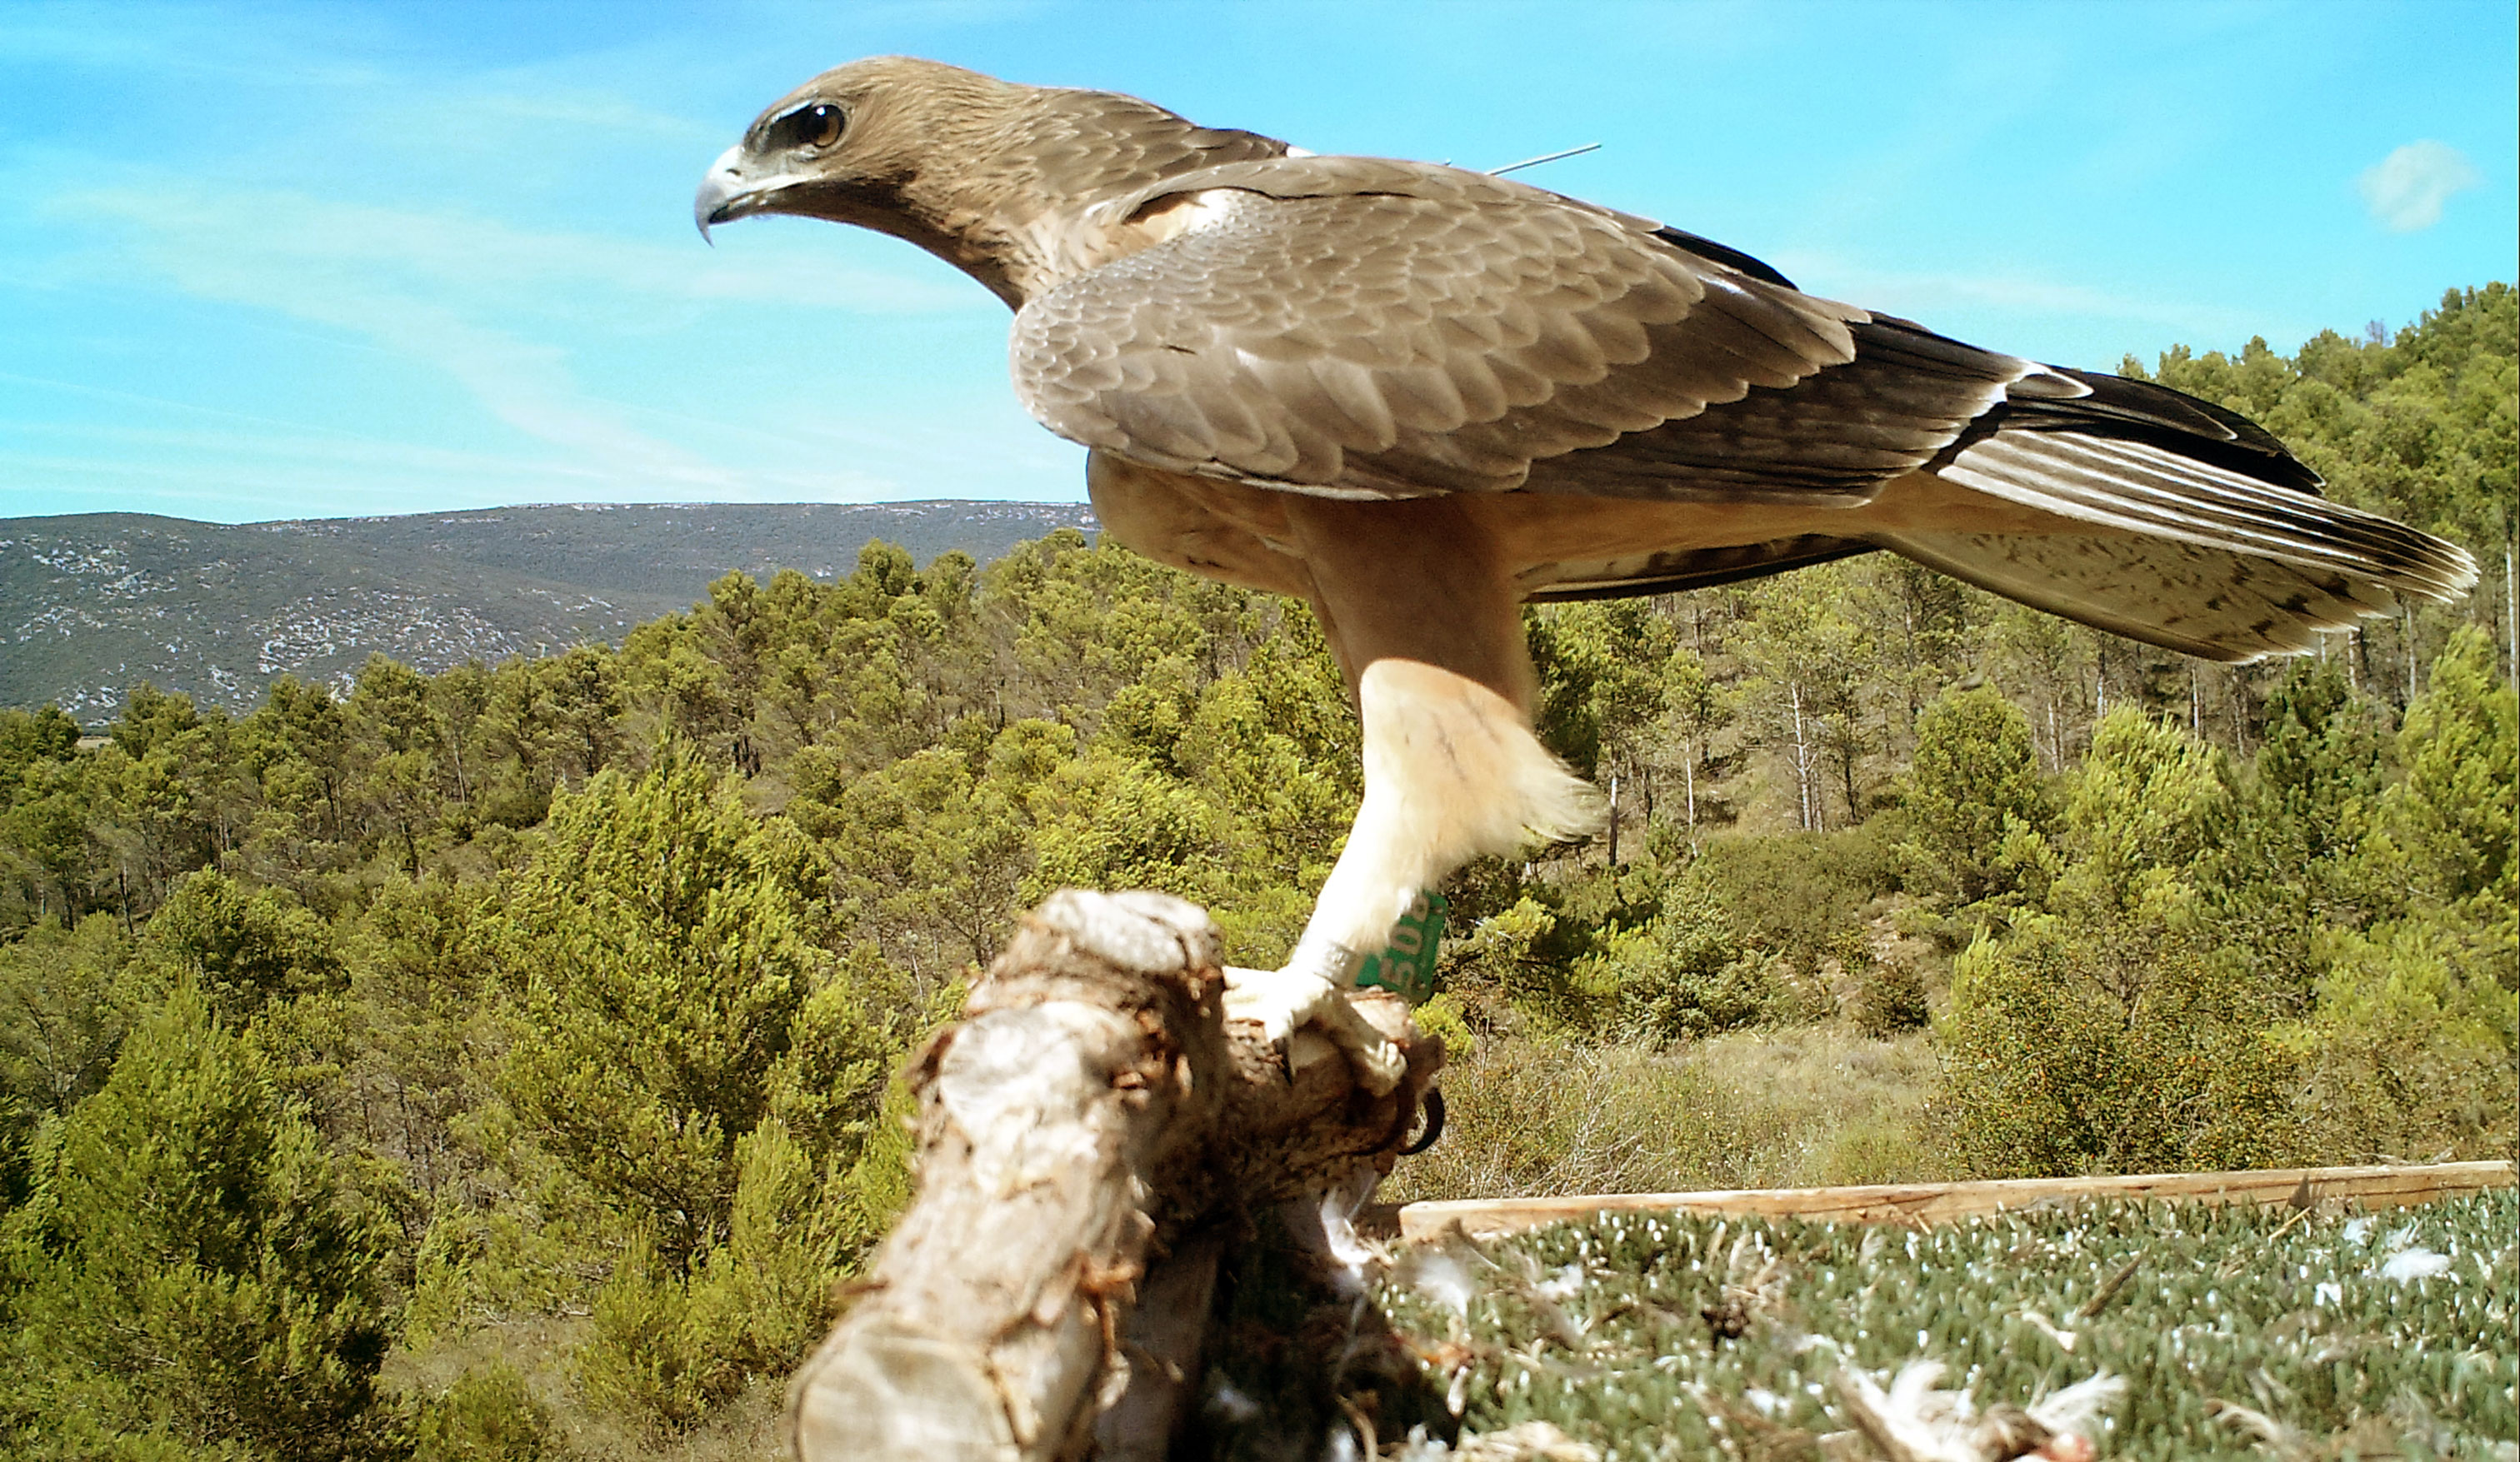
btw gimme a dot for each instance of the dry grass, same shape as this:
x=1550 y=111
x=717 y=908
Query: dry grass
x=1795 y=1108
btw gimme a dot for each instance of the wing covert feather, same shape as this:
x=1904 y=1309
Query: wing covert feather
x=1354 y=326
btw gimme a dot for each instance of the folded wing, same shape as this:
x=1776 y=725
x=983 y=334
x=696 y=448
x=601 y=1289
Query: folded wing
x=1366 y=329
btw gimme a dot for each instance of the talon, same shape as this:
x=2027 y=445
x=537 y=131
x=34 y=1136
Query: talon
x=1434 y=1125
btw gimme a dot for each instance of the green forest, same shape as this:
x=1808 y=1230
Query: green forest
x=500 y=1063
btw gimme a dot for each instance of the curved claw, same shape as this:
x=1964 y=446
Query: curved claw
x=1434 y=1126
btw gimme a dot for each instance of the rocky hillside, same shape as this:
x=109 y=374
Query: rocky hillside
x=91 y=605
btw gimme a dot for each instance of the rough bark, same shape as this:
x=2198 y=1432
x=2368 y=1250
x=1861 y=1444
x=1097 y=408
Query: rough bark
x=1091 y=1137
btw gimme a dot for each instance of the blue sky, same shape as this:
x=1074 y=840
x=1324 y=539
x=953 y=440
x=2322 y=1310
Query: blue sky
x=264 y=261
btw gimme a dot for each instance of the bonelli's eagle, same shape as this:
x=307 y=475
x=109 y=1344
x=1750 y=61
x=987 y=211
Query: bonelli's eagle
x=1416 y=397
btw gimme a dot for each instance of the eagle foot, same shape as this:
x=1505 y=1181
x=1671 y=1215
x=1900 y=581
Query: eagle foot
x=1285 y=1002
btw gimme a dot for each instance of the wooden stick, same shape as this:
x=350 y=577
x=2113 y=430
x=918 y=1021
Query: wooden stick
x=1085 y=1133
x=1939 y=1203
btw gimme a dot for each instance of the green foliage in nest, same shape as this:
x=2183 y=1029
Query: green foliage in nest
x=2237 y=1331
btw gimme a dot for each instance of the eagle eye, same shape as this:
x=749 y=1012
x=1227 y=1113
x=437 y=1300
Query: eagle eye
x=815 y=126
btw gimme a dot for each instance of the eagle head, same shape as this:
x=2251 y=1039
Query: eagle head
x=965 y=166
x=852 y=145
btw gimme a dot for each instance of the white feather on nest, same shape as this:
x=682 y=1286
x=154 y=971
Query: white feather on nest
x=1916 y=1421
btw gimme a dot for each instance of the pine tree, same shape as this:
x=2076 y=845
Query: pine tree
x=701 y=1069
x=657 y=959
x=1974 y=797
x=194 y=1274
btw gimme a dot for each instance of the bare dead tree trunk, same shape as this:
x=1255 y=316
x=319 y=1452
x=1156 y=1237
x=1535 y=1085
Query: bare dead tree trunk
x=2511 y=606
x=1688 y=777
x=1803 y=759
x=1089 y=1136
x=2407 y=629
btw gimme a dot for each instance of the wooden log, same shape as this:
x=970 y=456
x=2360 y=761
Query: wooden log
x=1082 y=1133
x=1940 y=1203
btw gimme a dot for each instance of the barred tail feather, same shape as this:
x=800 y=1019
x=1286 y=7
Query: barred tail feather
x=2180 y=553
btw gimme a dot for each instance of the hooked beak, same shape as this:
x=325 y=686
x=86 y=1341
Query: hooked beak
x=727 y=193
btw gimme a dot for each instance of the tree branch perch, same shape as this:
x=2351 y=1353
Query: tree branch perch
x=1091 y=1137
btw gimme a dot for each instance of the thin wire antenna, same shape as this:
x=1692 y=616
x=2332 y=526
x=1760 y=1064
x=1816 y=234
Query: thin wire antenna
x=1499 y=172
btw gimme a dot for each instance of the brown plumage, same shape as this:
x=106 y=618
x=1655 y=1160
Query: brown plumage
x=1416 y=396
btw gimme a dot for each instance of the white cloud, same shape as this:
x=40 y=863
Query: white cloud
x=268 y=245
x=2406 y=188
x=483 y=302
x=513 y=237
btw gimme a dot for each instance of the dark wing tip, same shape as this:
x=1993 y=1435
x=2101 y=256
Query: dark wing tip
x=2146 y=412
x=1721 y=253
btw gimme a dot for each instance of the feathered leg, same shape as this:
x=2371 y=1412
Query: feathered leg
x=1428 y=627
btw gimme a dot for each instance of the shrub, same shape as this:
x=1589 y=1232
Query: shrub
x=1889 y=998
x=2409 y=1052
x=1738 y=938
x=1441 y=1017
x=2082 y=1049
x=486 y=1416
x=1800 y=895
x=1690 y=977
x=1751 y=1109
x=1521 y=956
x=669 y=1347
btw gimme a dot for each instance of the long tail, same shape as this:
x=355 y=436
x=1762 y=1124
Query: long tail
x=2204 y=536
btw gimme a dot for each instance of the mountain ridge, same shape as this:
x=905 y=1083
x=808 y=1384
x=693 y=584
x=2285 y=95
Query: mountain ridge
x=94 y=604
